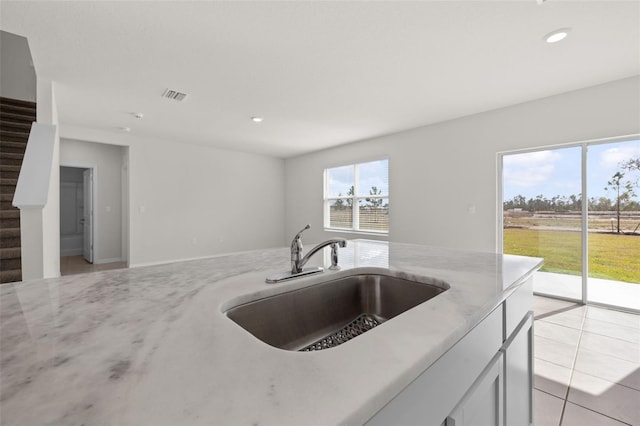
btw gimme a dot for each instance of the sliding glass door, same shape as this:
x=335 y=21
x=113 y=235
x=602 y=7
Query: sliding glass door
x=591 y=248
x=613 y=179
x=542 y=216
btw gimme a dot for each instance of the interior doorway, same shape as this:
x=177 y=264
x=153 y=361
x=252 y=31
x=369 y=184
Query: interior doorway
x=76 y=212
x=79 y=222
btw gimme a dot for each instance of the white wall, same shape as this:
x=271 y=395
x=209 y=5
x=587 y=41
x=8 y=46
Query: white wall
x=17 y=75
x=107 y=161
x=47 y=112
x=188 y=201
x=440 y=174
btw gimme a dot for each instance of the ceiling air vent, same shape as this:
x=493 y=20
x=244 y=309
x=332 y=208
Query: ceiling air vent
x=174 y=94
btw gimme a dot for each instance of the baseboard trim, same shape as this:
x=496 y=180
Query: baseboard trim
x=188 y=259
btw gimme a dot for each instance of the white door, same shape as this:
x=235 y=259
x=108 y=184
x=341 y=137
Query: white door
x=88 y=215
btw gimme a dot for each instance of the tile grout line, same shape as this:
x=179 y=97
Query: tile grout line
x=600 y=414
x=573 y=365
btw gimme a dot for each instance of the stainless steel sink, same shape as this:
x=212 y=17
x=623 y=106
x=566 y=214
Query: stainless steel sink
x=325 y=315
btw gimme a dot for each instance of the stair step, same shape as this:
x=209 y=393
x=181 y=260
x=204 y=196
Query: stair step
x=10 y=263
x=10 y=168
x=18 y=105
x=9 y=136
x=9 y=232
x=7 y=188
x=10 y=156
x=10 y=223
x=14 y=144
x=8 y=174
x=16 y=126
x=22 y=114
x=8 y=182
x=18 y=102
x=9 y=214
x=9 y=171
x=10 y=276
x=13 y=242
x=6 y=197
x=6 y=205
x=13 y=117
x=10 y=253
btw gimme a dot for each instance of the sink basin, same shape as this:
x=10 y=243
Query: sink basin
x=333 y=312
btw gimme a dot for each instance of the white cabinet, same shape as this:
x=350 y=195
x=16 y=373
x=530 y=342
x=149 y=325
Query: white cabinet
x=518 y=374
x=483 y=404
x=484 y=379
x=432 y=395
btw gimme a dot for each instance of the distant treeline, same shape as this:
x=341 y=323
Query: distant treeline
x=567 y=203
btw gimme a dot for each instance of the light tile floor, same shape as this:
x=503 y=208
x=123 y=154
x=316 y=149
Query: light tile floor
x=587 y=365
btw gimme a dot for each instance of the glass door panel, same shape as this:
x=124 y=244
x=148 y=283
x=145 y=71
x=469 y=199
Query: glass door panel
x=613 y=187
x=542 y=216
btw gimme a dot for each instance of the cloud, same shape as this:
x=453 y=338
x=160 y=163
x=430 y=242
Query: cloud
x=611 y=158
x=530 y=169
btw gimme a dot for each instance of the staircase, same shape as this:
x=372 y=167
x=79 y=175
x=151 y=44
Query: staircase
x=15 y=123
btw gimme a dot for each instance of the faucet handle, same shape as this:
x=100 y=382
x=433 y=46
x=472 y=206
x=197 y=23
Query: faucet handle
x=296 y=251
x=301 y=231
x=299 y=234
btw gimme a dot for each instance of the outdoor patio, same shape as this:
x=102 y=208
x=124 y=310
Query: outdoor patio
x=609 y=292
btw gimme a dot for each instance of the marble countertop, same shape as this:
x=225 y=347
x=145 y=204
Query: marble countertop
x=152 y=346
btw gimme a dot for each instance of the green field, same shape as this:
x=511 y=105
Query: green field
x=611 y=256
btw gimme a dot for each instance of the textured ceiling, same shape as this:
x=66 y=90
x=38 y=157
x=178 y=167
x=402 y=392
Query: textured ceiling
x=320 y=73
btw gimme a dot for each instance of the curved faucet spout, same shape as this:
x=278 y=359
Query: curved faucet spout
x=339 y=241
x=298 y=261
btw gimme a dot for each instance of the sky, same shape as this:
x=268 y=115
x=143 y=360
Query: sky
x=558 y=171
x=374 y=173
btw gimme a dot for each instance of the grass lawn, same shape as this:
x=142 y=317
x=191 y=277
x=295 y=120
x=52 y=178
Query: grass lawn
x=611 y=256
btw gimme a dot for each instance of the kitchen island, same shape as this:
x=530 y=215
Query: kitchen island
x=152 y=345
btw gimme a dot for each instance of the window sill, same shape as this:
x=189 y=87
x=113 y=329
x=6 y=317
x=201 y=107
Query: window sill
x=351 y=231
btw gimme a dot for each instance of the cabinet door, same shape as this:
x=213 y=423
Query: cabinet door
x=483 y=403
x=518 y=374
x=436 y=392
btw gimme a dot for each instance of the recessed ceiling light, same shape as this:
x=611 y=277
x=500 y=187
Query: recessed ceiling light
x=257 y=119
x=124 y=129
x=557 y=35
x=138 y=115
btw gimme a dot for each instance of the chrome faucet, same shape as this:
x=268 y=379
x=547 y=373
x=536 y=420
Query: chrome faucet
x=298 y=260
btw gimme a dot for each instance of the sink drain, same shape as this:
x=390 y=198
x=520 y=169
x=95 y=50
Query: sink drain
x=355 y=328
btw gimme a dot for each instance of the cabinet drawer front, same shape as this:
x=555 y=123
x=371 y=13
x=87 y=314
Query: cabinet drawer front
x=516 y=307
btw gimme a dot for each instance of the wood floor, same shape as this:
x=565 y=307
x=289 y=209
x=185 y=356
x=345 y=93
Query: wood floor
x=72 y=265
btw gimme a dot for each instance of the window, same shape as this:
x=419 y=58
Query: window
x=356 y=197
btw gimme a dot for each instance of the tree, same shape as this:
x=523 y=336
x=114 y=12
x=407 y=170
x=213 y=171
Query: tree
x=350 y=193
x=374 y=202
x=631 y=165
x=623 y=190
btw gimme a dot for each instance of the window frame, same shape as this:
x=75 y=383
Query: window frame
x=355 y=200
